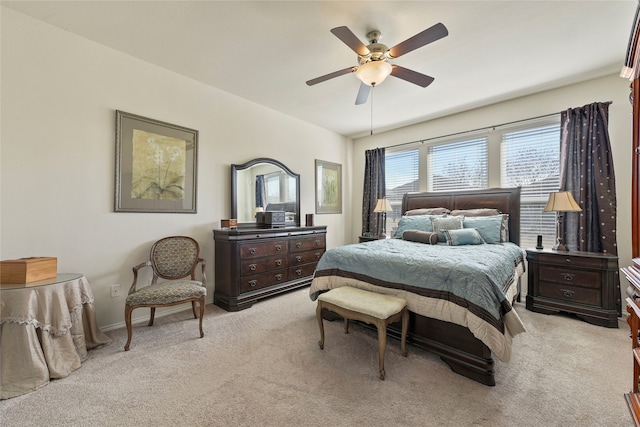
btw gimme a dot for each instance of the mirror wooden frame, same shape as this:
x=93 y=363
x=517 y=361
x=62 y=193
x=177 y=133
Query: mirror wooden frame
x=249 y=164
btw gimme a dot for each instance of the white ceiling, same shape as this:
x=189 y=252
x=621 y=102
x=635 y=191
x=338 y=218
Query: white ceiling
x=264 y=51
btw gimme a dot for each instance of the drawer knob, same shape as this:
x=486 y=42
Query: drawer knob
x=317 y=242
x=278 y=262
x=278 y=247
x=253 y=267
x=252 y=251
x=568 y=260
x=298 y=245
x=298 y=258
x=567 y=293
x=253 y=282
x=279 y=276
x=567 y=276
x=318 y=255
x=299 y=272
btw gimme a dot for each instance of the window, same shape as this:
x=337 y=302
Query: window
x=458 y=165
x=530 y=158
x=401 y=175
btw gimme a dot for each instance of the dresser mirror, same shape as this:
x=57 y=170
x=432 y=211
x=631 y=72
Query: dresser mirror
x=267 y=185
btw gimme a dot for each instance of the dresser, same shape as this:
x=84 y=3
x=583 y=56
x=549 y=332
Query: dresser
x=586 y=284
x=254 y=263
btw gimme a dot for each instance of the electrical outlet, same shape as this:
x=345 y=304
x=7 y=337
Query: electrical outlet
x=115 y=291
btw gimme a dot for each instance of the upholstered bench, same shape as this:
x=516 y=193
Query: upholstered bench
x=369 y=307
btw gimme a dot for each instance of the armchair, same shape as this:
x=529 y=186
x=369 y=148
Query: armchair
x=172 y=259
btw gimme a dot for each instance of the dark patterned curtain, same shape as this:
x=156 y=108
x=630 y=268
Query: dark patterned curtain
x=261 y=197
x=374 y=189
x=586 y=169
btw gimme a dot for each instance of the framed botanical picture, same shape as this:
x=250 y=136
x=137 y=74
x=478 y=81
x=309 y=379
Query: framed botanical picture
x=156 y=166
x=328 y=187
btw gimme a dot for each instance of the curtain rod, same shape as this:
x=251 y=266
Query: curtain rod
x=483 y=128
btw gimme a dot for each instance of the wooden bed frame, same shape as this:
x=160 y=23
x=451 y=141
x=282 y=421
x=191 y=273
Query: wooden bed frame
x=456 y=345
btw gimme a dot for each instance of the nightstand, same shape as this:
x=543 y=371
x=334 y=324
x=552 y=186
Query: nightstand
x=362 y=239
x=586 y=284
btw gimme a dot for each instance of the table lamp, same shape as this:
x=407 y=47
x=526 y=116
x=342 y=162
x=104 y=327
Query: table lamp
x=383 y=206
x=560 y=202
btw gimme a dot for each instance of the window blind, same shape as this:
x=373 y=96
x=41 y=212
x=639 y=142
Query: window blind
x=530 y=158
x=458 y=165
x=401 y=174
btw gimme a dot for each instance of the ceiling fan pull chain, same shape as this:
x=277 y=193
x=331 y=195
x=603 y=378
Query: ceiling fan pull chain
x=373 y=86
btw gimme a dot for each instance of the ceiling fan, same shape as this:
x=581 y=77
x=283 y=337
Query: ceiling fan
x=373 y=66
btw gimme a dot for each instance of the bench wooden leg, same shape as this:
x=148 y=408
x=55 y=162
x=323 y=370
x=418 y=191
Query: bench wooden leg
x=405 y=327
x=346 y=325
x=319 y=317
x=382 y=344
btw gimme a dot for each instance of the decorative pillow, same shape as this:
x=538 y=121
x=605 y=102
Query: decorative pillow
x=427 y=211
x=415 y=222
x=446 y=223
x=463 y=236
x=420 y=236
x=476 y=212
x=489 y=227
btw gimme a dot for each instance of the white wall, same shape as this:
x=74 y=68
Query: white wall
x=610 y=88
x=59 y=96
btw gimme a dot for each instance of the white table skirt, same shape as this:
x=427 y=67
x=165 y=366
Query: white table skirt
x=45 y=332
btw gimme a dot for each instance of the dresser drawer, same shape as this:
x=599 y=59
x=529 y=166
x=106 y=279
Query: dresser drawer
x=262 y=249
x=307 y=243
x=302 y=271
x=568 y=260
x=259 y=265
x=305 y=257
x=570 y=276
x=571 y=294
x=258 y=281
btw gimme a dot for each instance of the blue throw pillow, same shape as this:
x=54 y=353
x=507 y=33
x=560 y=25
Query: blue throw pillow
x=415 y=222
x=463 y=236
x=489 y=227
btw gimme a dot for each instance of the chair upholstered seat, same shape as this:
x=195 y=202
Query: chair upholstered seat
x=173 y=261
x=167 y=293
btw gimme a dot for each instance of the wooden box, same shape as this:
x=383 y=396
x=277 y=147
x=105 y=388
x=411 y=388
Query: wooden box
x=27 y=270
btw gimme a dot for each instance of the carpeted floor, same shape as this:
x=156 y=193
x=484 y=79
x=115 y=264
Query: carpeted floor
x=263 y=367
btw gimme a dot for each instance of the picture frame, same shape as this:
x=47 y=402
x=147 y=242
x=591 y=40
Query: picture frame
x=156 y=166
x=328 y=187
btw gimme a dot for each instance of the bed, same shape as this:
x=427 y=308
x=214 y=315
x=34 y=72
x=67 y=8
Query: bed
x=461 y=308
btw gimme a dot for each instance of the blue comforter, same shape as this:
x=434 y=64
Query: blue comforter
x=455 y=280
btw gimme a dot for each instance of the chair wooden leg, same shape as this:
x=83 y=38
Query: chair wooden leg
x=153 y=315
x=201 y=314
x=193 y=307
x=319 y=318
x=127 y=320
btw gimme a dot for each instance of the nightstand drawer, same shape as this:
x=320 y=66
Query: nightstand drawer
x=569 y=276
x=570 y=294
x=568 y=260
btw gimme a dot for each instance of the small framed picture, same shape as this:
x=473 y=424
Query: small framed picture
x=328 y=187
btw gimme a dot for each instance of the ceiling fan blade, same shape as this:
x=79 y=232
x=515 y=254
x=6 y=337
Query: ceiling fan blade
x=411 y=76
x=427 y=36
x=363 y=94
x=330 y=76
x=350 y=39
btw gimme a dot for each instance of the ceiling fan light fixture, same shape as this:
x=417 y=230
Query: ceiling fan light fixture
x=373 y=73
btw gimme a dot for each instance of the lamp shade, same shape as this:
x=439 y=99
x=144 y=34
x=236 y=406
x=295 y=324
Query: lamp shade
x=383 y=205
x=374 y=72
x=562 y=201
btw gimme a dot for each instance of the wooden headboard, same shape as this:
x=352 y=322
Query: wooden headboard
x=507 y=200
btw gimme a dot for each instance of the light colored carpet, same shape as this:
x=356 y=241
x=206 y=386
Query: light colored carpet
x=263 y=367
